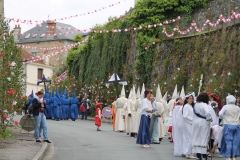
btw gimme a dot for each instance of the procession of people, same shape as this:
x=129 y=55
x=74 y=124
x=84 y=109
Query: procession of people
x=198 y=126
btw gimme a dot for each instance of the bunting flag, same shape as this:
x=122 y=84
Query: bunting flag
x=38 y=58
x=62 y=77
x=52 y=48
x=20 y=20
x=193 y=26
x=71 y=30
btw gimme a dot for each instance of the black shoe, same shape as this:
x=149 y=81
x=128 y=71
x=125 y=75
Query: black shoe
x=38 y=141
x=47 y=141
x=160 y=139
x=155 y=142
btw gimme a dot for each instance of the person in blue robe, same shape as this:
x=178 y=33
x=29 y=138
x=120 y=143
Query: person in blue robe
x=62 y=108
x=47 y=109
x=57 y=106
x=74 y=106
x=52 y=106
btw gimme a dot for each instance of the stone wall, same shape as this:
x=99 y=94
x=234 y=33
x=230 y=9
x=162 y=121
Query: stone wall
x=165 y=60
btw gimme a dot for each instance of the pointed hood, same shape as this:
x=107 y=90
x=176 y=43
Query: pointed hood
x=143 y=90
x=65 y=94
x=31 y=97
x=56 y=94
x=123 y=94
x=165 y=97
x=175 y=93
x=74 y=94
x=53 y=94
x=138 y=93
x=182 y=94
x=158 y=94
x=60 y=94
x=133 y=95
x=130 y=94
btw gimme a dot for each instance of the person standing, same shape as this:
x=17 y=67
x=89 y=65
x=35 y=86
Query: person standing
x=86 y=104
x=143 y=137
x=230 y=115
x=154 y=132
x=38 y=105
x=201 y=126
x=113 y=113
x=187 y=114
x=98 y=116
x=177 y=127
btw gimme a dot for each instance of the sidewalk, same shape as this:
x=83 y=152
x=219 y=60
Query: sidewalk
x=22 y=146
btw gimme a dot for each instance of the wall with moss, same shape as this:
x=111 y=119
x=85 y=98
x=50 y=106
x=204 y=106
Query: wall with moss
x=178 y=60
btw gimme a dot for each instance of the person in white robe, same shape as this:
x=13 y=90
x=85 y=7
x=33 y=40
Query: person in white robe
x=132 y=112
x=120 y=102
x=177 y=127
x=187 y=113
x=138 y=109
x=154 y=123
x=127 y=113
x=201 y=126
x=216 y=137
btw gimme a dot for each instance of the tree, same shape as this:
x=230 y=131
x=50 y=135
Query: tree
x=12 y=78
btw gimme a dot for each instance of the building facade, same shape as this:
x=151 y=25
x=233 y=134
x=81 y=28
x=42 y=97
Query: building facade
x=38 y=37
x=34 y=73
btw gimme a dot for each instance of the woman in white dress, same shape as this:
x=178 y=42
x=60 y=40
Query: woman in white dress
x=201 y=126
x=177 y=127
x=187 y=114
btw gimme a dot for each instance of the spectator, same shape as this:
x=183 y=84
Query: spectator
x=86 y=103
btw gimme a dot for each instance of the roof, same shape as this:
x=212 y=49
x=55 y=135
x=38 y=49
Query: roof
x=26 y=55
x=42 y=29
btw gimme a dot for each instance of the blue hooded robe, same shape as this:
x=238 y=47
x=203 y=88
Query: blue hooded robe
x=47 y=110
x=74 y=106
x=57 y=106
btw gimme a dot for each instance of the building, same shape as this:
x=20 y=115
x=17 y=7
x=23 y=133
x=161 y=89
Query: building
x=34 y=73
x=38 y=37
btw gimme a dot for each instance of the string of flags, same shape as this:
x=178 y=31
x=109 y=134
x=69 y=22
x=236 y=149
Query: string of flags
x=52 y=48
x=72 y=30
x=62 y=77
x=193 y=26
x=20 y=20
x=38 y=58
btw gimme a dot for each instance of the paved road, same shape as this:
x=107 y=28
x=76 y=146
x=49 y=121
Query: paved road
x=80 y=140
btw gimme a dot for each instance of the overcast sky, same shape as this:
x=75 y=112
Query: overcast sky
x=40 y=9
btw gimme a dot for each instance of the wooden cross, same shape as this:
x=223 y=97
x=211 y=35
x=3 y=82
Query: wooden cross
x=44 y=81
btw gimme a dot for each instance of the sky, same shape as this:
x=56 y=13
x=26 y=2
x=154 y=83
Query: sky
x=56 y=9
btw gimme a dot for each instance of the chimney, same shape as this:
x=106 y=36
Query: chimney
x=51 y=27
x=17 y=32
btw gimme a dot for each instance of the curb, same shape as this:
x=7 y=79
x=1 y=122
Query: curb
x=41 y=152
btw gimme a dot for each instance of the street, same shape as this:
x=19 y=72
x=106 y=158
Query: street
x=80 y=140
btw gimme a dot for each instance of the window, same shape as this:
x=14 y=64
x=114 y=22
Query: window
x=34 y=35
x=34 y=53
x=42 y=35
x=40 y=73
x=28 y=35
